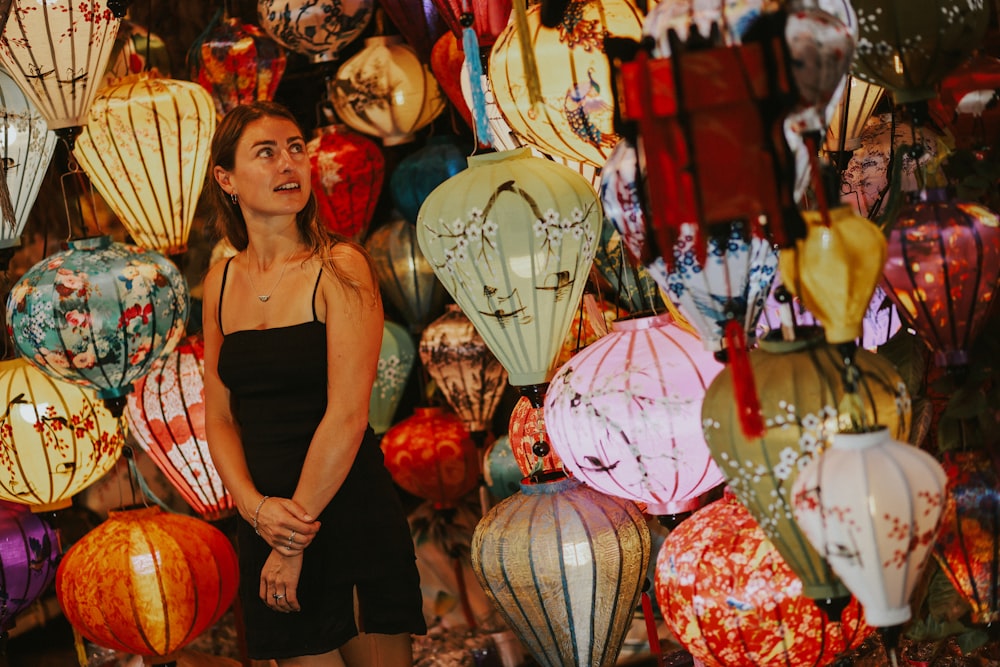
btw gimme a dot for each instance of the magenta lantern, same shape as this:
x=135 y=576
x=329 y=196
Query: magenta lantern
x=29 y=554
x=347 y=174
x=624 y=414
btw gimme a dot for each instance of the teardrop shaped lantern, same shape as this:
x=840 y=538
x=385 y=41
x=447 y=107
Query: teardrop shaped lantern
x=871 y=505
x=564 y=565
x=419 y=173
x=348 y=170
x=26 y=149
x=56 y=438
x=99 y=314
x=384 y=90
x=166 y=415
x=146 y=149
x=529 y=440
x=318 y=29
x=395 y=361
x=464 y=369
x=624 y=415
x=29 y=554
x=147 y=582
x=57 y=52
x=237 y=63
x=512 y=239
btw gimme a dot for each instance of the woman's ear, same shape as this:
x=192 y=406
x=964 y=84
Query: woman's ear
x=222 y=178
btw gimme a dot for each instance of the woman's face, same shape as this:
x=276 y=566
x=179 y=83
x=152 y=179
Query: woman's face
x=271 y=169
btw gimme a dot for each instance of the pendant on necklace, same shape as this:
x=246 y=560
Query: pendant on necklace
x=263 y=297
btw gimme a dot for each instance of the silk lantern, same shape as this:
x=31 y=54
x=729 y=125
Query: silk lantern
x=564 y=565
x=943 y=272
x=317 y=29
x=348 y=170
x=871 y=505
x=237 y=63
x=529 y=440
x=447 y=63
x=850 y=114
x=419 y=22
x=384 y=90
x=56 y=51
x=501 y=473
x=416 y=175
x=29 y=554
x=98 y=314
x=431 y=455
x=166 y=415
x=147 y=582
x=512 y=238
x=406 y=277
x=396 y=357
x=27 y=147
x=801 y=391
x=464 y=369
x=731 y=600
x=57 y=438
x=624 y=415
x=146 y=149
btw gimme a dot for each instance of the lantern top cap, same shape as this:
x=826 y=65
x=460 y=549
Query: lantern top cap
x=861 y=440
x=91 y=242
x=499 y=156
x=641 y=323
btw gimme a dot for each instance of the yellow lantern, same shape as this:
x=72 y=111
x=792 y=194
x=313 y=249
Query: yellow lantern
x=146 y=149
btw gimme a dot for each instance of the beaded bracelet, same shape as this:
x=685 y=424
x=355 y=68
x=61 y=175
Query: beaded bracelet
x=256 y=513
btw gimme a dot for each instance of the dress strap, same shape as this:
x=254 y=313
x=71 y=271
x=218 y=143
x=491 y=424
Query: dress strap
x=316 y=291
x=222 y=290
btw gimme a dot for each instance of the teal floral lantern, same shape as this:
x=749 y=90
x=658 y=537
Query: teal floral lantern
x=395 y=362
x=99 y=315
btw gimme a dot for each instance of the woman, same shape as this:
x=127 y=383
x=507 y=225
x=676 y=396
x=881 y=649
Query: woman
x=292 y=326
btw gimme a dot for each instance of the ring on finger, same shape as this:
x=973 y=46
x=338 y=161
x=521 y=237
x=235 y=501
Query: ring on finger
x=278 y=597
x=291 y=536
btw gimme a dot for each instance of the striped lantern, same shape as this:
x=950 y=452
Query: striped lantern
x=396 y=357
x=29 y=554
x=146 y=149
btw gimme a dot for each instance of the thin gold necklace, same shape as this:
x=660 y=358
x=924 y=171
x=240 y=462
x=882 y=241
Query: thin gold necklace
x=264 y=297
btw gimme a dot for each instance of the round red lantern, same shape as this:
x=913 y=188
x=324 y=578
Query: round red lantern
x=347 y=173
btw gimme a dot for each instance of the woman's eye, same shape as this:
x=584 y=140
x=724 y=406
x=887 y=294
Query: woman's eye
x=297 y=148
x=265 y=152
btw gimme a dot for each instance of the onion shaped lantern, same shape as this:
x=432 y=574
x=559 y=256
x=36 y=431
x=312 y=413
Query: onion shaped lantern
x=732 y=601
x=943 y=272
x=419 y=173
x=26 y=147
x=529 y=440
x=431 y=455
x=501 y=473
x=99 y=315
x=463 y=368
x=564 y=565
x=147 y=582
x=512 y=239
x=801 y=386
x=348 y=170
x=145 y=149
x=872 y=506
x=624 y=415
x=166 y=415
x=56 y=438
x=57 y=52
x=385 y=90
x=237 y=63
x=29 y=554
x=396 y=357
x=317 y=29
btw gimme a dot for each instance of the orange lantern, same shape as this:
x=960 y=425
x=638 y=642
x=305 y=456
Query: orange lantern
x=147 y=582
x=529 y=441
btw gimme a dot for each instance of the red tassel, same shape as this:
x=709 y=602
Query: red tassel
x=654 y=636
x=747 y=401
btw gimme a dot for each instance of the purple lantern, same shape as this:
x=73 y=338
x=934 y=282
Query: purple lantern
x=29 y=554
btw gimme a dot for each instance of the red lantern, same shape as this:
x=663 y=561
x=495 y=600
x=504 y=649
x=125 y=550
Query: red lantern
x=347 y=173
x=966 y=102
x=147 y=582
x=431 y=455
x=529 y=441
x=447 y=61
x=490 y=17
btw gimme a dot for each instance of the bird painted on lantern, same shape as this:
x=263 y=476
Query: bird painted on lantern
x=582 y=102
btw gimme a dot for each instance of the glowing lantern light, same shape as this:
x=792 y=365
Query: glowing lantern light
x=29 y=554
x=347 y=174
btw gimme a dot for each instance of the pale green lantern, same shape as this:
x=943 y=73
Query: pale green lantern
x=395 y=362
x=512 y=238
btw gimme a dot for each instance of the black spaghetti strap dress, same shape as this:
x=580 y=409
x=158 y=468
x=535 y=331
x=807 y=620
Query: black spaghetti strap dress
x=277 y=383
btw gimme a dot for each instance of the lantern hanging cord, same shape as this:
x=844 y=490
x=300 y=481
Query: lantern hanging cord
x=135 y=477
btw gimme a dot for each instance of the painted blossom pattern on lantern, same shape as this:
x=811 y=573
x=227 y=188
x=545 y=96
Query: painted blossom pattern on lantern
x=392 y=374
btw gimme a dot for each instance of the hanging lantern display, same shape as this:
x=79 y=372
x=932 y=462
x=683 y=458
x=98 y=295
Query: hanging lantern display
x=872 y=506
x=396 y=357
x=968 y=545
x=29 y=554
x=406 y=277
x=447 y=63
x=136 y=50
x=501 y=473
x=146 y=581
x=315 y=28
x=564 y=565
x=624 y=415
x=489 y=18
x=98 y=314
x=386 y=91
x=848 y=118
x=529 y=441
x=419 y=22
x=573 y=118
x=347 y=174
x=166 y=414
x=27 y=147
x=431 y=455
x=943 y=272
x=512 y=239
x=237 y=63
x=802 y=389
x=632 y=286
x=57 y=439
x=731 y=600
x=464 y=369
x=419 y=173
x=146 y=149
x=909 y=52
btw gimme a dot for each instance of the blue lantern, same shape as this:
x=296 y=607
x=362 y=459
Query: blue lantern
x=417 y=175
